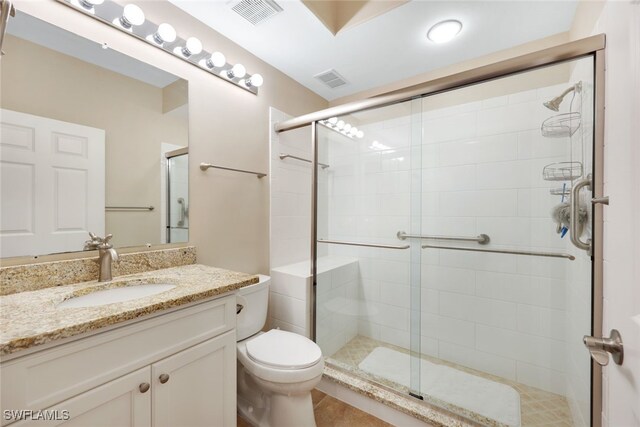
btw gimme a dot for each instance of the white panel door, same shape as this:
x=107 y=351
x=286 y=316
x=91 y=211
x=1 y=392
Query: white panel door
x=52 y=184
x=200 y=387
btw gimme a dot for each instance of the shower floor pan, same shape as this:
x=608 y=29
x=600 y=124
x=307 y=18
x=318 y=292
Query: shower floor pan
x=507 y=402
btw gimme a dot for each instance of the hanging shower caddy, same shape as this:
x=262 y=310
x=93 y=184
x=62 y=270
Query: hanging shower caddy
x=562 y=171
x=561 y=125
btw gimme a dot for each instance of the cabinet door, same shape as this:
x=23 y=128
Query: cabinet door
x=120 y=402
x=197 y=387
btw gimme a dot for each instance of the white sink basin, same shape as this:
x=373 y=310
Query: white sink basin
x=110 y=296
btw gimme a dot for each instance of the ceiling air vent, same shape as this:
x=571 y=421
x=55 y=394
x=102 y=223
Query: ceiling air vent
x=256 y=11
x=331 y=78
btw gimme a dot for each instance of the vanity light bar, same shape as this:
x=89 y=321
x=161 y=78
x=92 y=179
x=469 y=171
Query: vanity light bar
x=131 y=20
x=342 y=127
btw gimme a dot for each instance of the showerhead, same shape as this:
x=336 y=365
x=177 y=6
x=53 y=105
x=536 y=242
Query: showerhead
x=554 y=104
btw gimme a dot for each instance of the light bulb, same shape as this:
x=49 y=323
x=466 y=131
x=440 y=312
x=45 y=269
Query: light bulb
x=192 y=47
x=333 y=120
x=353 y=131
x=89 y=4
x=132 y=15
x=238 y=71
x=256 y=80
x=444 y=31
x=165 y=34
x=360 y=134
x=347 y=127
x=340 y=124
x=217 y=59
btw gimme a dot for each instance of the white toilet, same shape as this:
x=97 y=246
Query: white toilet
x=276 y=369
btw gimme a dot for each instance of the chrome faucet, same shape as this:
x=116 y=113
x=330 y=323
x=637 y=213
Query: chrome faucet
x=106 y=254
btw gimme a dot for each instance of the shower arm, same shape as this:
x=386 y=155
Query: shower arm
x=554 y=104
x=567 y=91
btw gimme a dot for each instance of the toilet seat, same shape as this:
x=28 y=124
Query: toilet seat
x=283 y=375
x=283 y=350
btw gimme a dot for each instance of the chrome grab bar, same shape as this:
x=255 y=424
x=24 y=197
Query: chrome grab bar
x=129 y=208
x=302 y=159
x=502 y=251
x=205 y=166
x=368 y=245
x=481 y=239
x=575 y=214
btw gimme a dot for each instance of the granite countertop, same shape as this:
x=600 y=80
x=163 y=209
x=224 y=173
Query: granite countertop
x=28 y=319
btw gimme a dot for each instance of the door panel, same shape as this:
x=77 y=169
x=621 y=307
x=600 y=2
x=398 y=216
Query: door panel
x=52 y=184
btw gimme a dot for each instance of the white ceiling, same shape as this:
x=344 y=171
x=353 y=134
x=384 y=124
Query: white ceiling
x=387 y=48
x=36 y=31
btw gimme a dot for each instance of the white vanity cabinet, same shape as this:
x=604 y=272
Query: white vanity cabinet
x=175 y=369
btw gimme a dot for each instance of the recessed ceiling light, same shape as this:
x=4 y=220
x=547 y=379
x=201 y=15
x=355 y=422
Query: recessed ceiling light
x=444 y=31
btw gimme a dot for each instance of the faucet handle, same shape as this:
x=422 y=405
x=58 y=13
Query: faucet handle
x=93 y=243
x=104 y=242
x=98 y=242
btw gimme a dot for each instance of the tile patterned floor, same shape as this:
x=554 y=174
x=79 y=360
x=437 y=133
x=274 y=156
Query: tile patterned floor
x=330 y=412
x=538 y=407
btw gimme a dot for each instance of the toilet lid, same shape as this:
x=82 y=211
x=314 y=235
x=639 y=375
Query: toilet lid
x=283 y=350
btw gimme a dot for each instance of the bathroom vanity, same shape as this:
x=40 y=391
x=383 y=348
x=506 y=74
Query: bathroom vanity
x=163 y=360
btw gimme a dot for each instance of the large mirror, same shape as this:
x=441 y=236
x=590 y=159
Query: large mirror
x=91 y=141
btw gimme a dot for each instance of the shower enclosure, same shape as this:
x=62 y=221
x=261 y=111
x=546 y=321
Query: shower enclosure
x=456 y=255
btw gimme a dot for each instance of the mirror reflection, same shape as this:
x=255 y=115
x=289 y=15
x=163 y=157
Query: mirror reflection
x=91 y=141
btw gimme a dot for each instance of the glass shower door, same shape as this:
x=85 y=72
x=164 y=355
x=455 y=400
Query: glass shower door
x=368 y=281
x=507 y=294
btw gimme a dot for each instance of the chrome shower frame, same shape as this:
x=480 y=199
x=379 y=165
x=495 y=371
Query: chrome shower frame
x=593 y=46
x=6 y=10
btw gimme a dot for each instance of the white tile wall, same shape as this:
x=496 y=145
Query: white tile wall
x=337 y=300
x=290 y=207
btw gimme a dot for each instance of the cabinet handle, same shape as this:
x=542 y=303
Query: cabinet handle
x=144 y=387
x=164 y=378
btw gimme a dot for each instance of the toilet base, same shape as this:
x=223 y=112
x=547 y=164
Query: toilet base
x=283 y=411
x=291 y=411
x=266 y=404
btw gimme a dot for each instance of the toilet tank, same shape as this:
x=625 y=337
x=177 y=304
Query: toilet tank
x=255 y=300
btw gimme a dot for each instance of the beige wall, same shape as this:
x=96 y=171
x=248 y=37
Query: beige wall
x=130 y=112
x=229 y=213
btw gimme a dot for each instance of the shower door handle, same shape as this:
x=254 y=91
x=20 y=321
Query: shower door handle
x=183 y=211
x=575 y=214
